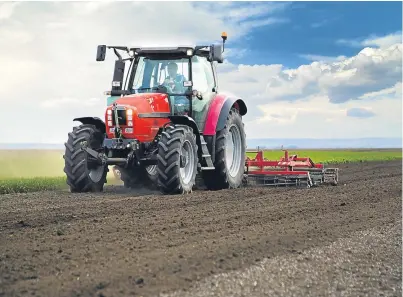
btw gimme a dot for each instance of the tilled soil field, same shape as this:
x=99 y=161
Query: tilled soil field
x=343 y=240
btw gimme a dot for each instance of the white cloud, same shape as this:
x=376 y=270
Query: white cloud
x=369 y=71
x=374 y=40
x=235 y=52
x=70 y=102
x=49 y=73
x=47 y=52
x=320 y=99
x=317 y=117
x=324 y=59
x=7 y=9
x=383 y=41
x=396 y=91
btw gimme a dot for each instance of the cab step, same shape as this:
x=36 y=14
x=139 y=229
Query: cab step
x=206 y=155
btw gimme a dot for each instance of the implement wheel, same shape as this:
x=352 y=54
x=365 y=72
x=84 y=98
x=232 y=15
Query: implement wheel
x=84 y=174
x=230 y=154
x=177 y=160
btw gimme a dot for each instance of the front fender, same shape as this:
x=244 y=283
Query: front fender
x=218 y=113
x=97 y=122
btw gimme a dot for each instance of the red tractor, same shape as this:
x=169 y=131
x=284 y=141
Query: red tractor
x=165 y=124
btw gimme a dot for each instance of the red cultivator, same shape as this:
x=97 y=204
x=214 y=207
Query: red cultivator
x=288 y=171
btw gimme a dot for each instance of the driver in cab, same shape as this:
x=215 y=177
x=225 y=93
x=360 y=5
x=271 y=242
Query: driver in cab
x=174 y=81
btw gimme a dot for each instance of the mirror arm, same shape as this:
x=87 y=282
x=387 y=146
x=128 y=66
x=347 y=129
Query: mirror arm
x=117 y=54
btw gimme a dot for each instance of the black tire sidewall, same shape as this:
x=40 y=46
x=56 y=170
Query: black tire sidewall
x=171 y=142
x=219 y=178
x=94 y=137
x=189 y=136
x=235 y=119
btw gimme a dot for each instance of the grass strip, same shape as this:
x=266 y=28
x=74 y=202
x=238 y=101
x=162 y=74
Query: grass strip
x=35 y=184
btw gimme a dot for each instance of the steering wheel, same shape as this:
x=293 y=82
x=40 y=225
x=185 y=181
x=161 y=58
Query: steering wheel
x=161 y=89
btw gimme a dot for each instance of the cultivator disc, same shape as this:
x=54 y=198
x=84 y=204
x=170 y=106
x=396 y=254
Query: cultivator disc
x=331 y=176
x=260 y=180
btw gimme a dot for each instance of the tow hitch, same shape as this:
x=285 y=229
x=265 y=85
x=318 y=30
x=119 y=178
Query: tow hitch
x=102 y=158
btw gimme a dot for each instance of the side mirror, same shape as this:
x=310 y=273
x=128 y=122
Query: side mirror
x=216 y=53
x=101 y=52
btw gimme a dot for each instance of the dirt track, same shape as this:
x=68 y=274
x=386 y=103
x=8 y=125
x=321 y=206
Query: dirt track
x=116 y=244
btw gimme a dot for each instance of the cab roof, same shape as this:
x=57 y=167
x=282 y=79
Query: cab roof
x=165 y=52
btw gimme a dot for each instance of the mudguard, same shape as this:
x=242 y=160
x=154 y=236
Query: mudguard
x=185 y=120
x=218 y=112
x=97 y=122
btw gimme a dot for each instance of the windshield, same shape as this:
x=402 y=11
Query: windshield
x=171 y=74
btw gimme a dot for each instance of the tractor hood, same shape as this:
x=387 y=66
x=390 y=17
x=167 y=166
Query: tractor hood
x=140 y=115
x=143 y=103
x=125 y=100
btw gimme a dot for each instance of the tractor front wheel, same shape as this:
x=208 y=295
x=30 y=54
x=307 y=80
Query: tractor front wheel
x=177 y=160
x=230 y=153
x=83 y=173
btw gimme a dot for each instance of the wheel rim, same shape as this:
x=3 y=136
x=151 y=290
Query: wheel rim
x=187 y=162
x=151 y=169
x=233 y=150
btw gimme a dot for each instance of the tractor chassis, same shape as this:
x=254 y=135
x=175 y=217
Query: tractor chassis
x=131 y=148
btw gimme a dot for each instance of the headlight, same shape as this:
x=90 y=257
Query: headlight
x=109 y=123
x=129 y=112
x=109 y=111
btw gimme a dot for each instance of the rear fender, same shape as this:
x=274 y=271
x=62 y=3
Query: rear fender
x=188 y=121
x=97 y=122
x=218 y=113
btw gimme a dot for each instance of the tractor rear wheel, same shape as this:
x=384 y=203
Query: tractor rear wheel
x=177 y=160
x=83 y=173
x=230 y=154
x=141 y=177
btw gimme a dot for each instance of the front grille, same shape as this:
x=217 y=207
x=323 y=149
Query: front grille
x=122 y=118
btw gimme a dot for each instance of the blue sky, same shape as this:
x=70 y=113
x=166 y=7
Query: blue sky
x=313 y=28
x=305 y=69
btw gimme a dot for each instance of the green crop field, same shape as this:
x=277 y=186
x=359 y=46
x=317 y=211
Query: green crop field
x=35 y=170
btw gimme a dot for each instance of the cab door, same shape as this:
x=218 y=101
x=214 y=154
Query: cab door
x=204 y=82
